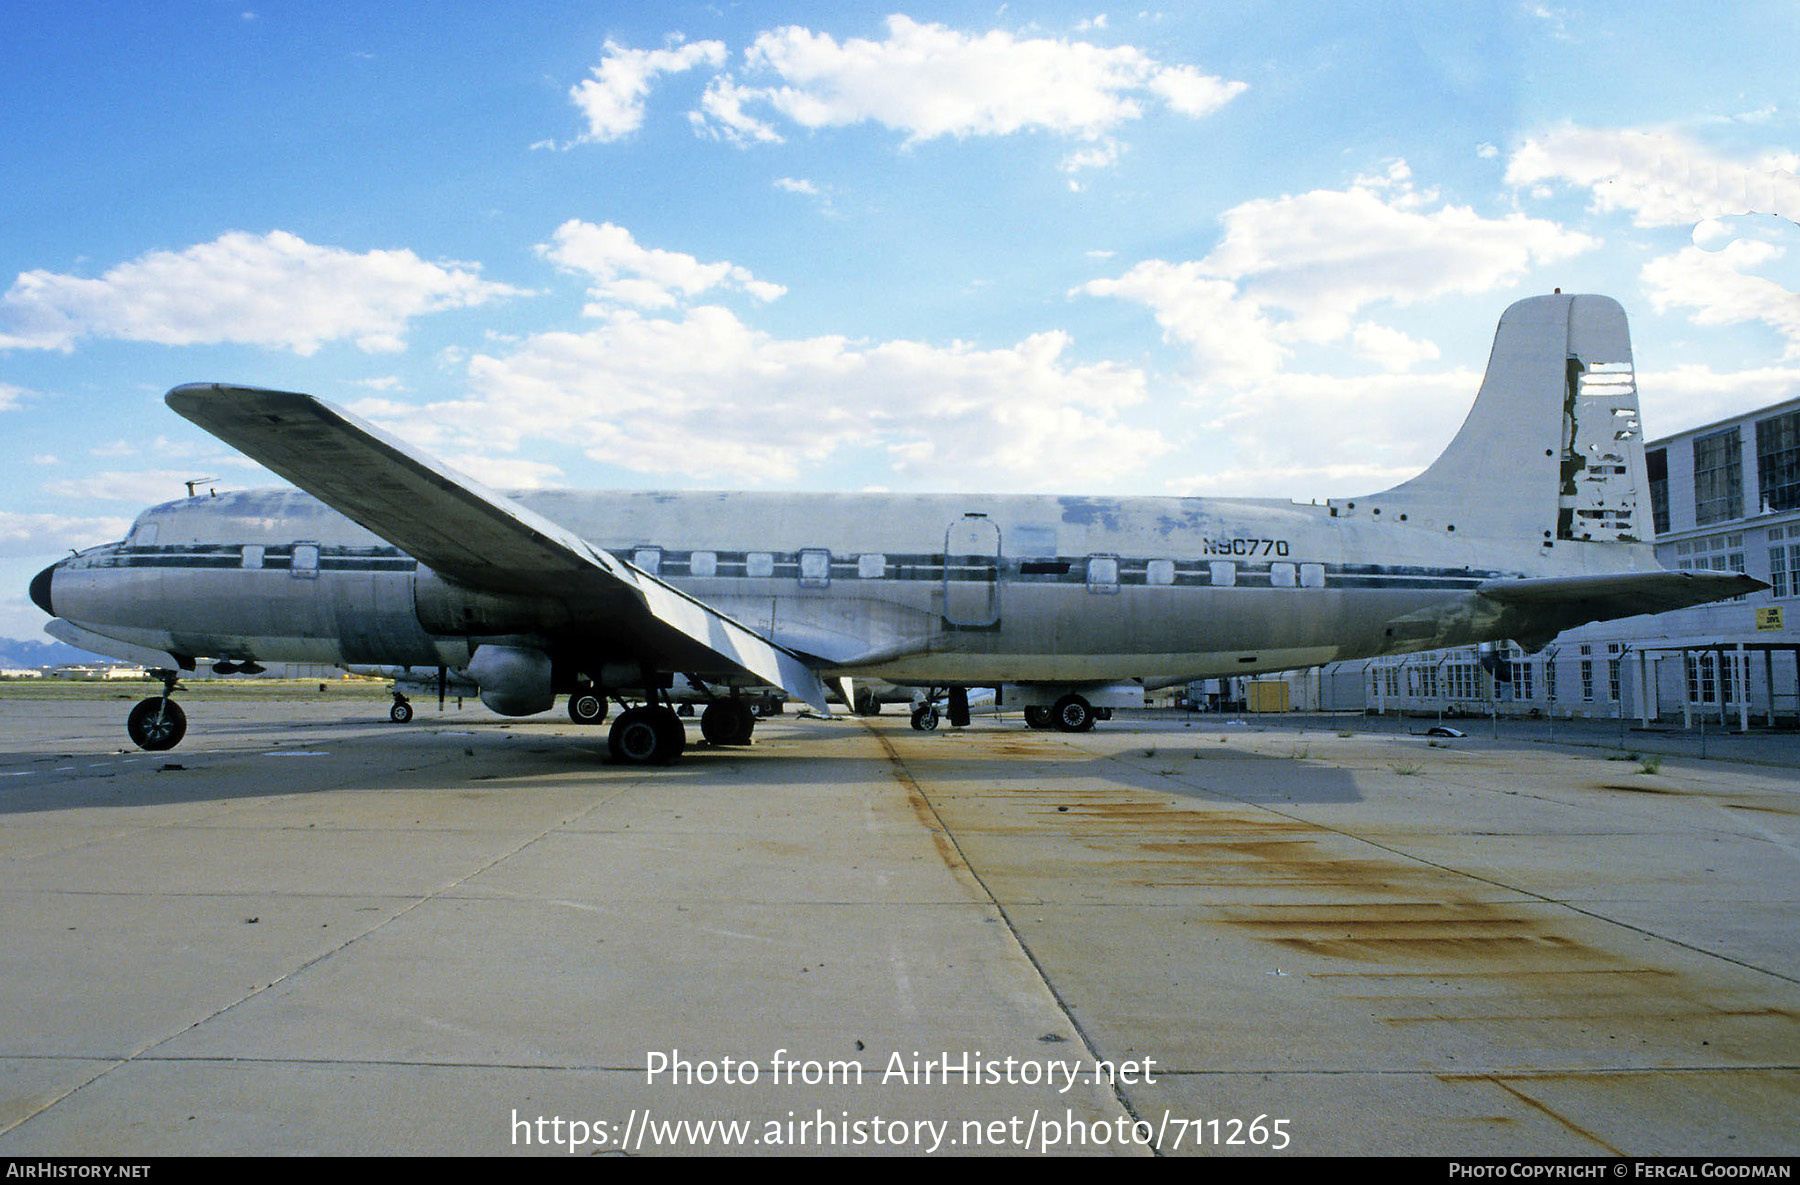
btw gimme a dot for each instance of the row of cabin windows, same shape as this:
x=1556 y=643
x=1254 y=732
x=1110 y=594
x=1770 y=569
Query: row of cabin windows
x=814 y=569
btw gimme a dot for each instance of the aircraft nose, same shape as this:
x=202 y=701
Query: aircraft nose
x=40 y=589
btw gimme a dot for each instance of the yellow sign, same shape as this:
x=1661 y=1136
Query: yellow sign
x=1769 y=619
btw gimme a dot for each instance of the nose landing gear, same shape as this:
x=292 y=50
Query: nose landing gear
x=158 y=723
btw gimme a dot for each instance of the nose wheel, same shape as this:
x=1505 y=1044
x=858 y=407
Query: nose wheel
x=157 y=723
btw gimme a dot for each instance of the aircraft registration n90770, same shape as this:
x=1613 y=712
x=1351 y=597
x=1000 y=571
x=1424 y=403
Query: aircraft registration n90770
x=1529 y=523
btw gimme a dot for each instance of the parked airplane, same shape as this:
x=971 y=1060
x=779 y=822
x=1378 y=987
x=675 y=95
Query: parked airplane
x=1529 y=523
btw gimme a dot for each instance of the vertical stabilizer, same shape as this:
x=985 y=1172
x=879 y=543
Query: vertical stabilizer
x=1553 y=447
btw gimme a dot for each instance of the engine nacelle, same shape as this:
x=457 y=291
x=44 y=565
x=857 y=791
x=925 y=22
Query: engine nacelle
x=515 y=680
x=448 y=608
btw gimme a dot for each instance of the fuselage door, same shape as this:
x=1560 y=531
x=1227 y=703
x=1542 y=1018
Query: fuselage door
x=972 y=571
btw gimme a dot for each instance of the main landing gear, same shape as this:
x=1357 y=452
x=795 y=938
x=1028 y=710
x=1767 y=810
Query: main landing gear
x=158 y=723
x=1071 y=713
x=653 y=734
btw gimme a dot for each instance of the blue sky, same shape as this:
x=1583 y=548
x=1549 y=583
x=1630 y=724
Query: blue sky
x=1221 y=249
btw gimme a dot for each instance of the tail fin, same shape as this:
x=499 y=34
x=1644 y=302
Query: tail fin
x=1553 y=448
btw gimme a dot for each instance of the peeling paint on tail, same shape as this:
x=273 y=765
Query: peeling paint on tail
x=1552 y=449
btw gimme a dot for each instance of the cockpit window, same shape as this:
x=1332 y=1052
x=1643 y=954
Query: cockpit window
x=142 y=535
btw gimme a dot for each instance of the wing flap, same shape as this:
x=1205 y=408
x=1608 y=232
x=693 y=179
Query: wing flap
x=463 y=530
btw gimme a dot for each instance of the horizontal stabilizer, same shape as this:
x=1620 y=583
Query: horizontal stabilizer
x=479 y=538
x=1619 y=594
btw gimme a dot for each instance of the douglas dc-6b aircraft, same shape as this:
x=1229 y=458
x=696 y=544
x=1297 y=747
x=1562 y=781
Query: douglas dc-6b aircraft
x=1529 y=523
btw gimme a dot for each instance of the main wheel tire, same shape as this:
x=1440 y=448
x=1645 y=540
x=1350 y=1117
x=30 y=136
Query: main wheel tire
x=867 y=704
x=1072 y=714
x=673 y=732
x=401 y=712
x=645 y=736
x=587 y=707
x=727 y=722
x=925 y=719
x=156 y=724
x=1037 y=716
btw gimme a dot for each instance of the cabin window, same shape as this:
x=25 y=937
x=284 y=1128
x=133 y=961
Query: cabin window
x=703 y=563
x=871 y=565
x=1159 y=572
x=649 y=559
x=305 y=564
x=253 y=555
x=1224 y=573
x=1312 y=575
x=759 y=563
x=1103 y=574
x=1282 y=576
x=815 y=567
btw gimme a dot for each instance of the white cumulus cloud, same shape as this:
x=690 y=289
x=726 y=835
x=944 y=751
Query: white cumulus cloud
x=1301 y=268
x=1659 y=178
x=624 y=273
x=612 y=100
x=710 y=399
x=927 y=81
x=24 y=535
x=275 y=290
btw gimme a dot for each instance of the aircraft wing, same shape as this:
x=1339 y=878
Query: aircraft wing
x=474 y=536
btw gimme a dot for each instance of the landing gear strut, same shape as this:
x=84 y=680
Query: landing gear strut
x=158 y=723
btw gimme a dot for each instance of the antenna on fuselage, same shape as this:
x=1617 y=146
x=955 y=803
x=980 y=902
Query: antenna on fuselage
x=210 y=492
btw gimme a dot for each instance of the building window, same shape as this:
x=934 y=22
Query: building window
x=1778 y=462
x=1587 y=675
x=1718 y=477
x=1703 y=687
x=1614 y=651
x=1656 y=463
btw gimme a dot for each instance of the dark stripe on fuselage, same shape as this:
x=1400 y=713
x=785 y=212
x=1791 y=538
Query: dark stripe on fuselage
x=773 y=565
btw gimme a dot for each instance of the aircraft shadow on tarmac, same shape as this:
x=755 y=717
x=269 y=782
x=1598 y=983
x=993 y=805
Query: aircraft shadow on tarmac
x=352 y=753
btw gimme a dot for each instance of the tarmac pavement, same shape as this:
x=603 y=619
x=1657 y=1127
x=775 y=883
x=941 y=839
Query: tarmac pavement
x=308 y=930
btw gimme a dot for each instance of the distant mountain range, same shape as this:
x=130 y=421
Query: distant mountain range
x=17 y=653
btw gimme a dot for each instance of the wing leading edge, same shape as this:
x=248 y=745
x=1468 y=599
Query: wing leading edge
x=472 y=535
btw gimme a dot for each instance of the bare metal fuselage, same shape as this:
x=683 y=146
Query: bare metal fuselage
x=931 y=589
